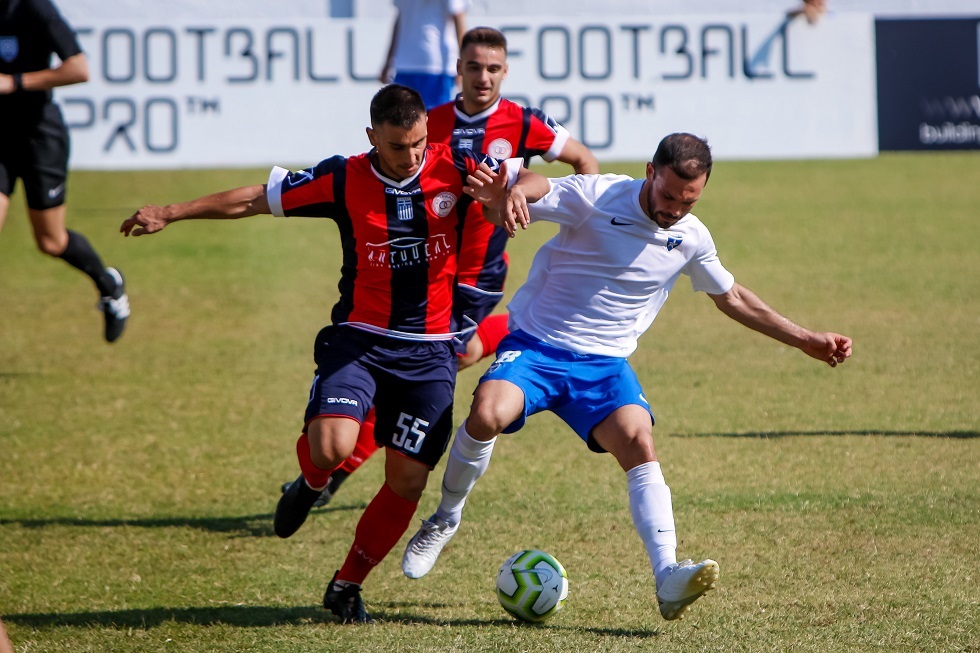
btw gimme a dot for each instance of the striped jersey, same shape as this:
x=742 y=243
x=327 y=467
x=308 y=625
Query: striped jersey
x=400 y=239
x=505 y=130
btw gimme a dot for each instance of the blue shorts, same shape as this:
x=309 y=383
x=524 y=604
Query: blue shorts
x=435 y=89
x=410 y=383
x=581 y=389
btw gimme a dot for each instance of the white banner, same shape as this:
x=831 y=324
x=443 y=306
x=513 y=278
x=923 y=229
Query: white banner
x=253 y=92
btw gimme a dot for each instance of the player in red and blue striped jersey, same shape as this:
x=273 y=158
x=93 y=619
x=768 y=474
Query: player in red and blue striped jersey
x=482 y=121
x=401 y=210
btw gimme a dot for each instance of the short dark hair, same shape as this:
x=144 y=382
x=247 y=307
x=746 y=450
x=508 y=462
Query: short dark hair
x=397 y=105
x=687 y=155
x=487 y=36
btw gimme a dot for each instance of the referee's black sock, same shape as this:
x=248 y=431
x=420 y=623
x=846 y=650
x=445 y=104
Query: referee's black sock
x=81 y=255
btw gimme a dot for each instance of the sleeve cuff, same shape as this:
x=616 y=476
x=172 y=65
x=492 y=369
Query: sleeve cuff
x=273 y=190
x=511 y=168
x=561 y=138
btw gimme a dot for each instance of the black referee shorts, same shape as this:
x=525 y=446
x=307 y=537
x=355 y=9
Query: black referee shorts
x=36 y=150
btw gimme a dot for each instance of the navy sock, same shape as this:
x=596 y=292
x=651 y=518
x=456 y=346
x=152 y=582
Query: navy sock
x=81 y=255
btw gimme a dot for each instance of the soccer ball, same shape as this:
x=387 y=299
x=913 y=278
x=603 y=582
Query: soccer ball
x=532 y=585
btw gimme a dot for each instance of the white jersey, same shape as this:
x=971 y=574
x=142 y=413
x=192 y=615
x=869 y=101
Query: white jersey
x=599 y=283
x=427 y=39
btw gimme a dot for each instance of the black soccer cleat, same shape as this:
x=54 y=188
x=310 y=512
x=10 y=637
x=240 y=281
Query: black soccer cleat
x=333 y=484
x=115 y=308
x=346 y=603
x=293 y=507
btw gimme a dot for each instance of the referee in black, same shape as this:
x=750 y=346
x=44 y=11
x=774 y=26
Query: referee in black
x=34 y=141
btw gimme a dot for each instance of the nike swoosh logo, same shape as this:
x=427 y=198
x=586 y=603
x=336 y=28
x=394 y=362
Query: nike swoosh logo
x=665 y=530
x=54 y=192
x=618 y=224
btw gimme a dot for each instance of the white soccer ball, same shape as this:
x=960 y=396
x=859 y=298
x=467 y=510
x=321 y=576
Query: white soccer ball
x=532 y=585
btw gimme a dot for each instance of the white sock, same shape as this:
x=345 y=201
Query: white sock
x=468 y=460
x=653 y=515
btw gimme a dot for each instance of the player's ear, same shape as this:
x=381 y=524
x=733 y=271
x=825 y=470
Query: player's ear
x=651 y=171
x=371 y=137
x=459 y=67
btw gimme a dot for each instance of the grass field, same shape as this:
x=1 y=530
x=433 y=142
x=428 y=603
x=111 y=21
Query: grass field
x=137 y=481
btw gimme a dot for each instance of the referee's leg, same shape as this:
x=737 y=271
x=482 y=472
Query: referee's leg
x=54 y=239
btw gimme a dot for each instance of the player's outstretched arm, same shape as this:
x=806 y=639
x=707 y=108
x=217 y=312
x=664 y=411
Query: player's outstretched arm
x=746 y=308
x=228 y=205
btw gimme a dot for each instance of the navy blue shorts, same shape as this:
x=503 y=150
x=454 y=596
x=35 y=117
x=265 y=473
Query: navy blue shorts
x=582 y=389
x=410 y=383
x=470 y=307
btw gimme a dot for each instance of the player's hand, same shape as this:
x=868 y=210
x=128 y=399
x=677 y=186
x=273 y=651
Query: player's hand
x=148 y=220
x=486 y=187
x=516 y=211
x=812 y=10
x=832 y=348
x=505 y=207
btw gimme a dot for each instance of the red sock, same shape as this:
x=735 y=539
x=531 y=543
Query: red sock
x=315 y=476
x=365 y=446
x=491 y=331
x=383 y=523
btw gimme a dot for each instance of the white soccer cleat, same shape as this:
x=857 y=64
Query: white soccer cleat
x=686 y=583
x=425 y=546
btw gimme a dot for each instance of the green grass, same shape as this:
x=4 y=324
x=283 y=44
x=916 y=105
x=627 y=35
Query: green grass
x=137 y=480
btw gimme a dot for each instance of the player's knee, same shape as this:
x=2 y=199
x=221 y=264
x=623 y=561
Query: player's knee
x=408 y=487
x=324 y=459
x=486 y=420
x=630 y=444
x=327 y=453
x=52 y=245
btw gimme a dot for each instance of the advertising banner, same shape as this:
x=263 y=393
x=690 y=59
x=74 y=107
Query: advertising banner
x=928 y=84
x=256 y=91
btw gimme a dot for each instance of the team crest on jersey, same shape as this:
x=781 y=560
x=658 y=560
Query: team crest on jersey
x=408 y=251
x=404 y=207
x=9 y=48
x=443 y=203
x=500 y=148
x=674 y=242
